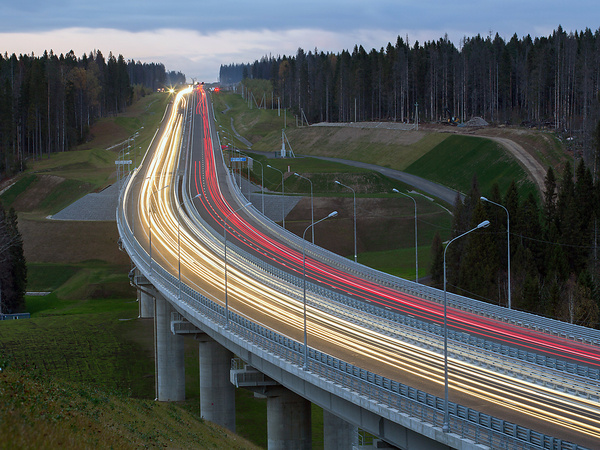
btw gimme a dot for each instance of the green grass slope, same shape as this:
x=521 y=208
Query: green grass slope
x=446 y=158
x=40 y=413
x=457 y=159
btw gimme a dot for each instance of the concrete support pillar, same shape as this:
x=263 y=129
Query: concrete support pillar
x=169 y=355
x=288 y=420
x=217 y=394
x=146 y=304
x=337 y=433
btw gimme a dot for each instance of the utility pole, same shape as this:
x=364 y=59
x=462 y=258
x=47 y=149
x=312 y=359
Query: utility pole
x=417 y=115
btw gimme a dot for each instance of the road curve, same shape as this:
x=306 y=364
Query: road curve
x=202 y=268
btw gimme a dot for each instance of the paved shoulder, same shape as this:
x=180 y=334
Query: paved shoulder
x=94 y=206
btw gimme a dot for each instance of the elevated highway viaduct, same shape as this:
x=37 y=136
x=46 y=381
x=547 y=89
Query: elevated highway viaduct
x=210 y=265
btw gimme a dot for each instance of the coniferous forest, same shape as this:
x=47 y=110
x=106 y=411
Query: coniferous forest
x=553 y=248
x=48 y=103
x=544 y=82
x=13 y=269
x=549 y=81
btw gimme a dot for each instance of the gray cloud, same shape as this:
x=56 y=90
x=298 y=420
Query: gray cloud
x=196 y=37
x=506 y=17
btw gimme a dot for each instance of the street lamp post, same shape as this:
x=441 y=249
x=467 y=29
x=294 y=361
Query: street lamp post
x=282 y=194
x=416 y=246
x=247 y=167
x=446 y=425
x=332 y=214
x=225 y=259
x=354 y=195
x=262 y=173
x=508 y=246
x=262 y=185
x=312 y=211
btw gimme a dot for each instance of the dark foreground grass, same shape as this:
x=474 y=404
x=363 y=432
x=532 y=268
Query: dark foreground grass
x=96 y=355
x=41 y=413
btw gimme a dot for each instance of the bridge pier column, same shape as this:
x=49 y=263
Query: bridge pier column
x=337 y=433
x=288 y=420
x=144 y=296
x=146 y=304
x=169 y=354
x=217 y=394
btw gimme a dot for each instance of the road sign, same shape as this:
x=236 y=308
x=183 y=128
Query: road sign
x=238 y=159
x=124 y=161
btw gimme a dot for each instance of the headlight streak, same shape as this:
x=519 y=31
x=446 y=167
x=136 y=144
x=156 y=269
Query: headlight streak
x=248 y=293
x=388 y=297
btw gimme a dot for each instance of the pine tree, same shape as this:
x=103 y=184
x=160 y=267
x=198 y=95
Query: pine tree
x=437 y=261
x=13 y=270
x=480 y=264
x=550 y=197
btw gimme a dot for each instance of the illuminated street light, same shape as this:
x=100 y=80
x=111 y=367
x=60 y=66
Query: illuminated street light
x=225 y=258
x=282 y=194
x=416 y=245
x=332 y=214
x=446 y=425
x=508 y=246
x=312 y=211
x=354 y=195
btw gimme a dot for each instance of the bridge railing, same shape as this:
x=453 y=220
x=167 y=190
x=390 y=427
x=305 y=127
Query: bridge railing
x=396 y=397
x=496 y=312
x=551 y=377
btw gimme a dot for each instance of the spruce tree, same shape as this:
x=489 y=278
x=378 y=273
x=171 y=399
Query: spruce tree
x=549 y=198
x=13 y=270
x=437 y=262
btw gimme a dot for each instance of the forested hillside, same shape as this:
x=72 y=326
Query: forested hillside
x=553 y=247
x=544 y=81
x=48 y=103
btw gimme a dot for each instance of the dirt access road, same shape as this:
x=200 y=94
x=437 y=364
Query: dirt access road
x=502 y=136
x=535 y=170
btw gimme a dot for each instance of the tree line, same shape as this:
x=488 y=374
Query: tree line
x=544 y=81
x=13 y=268
x=553 y=248
x=48 y=103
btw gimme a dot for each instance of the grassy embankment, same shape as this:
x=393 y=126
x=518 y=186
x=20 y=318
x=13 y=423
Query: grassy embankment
x=76 y=335
x=80 y=372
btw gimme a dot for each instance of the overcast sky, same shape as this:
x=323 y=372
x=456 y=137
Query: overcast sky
x=196 y=37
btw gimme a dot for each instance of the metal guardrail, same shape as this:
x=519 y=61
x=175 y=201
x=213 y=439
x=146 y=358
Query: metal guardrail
x=551 y=377
x=520 y=318
x=15 y=316
x=464 y=422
